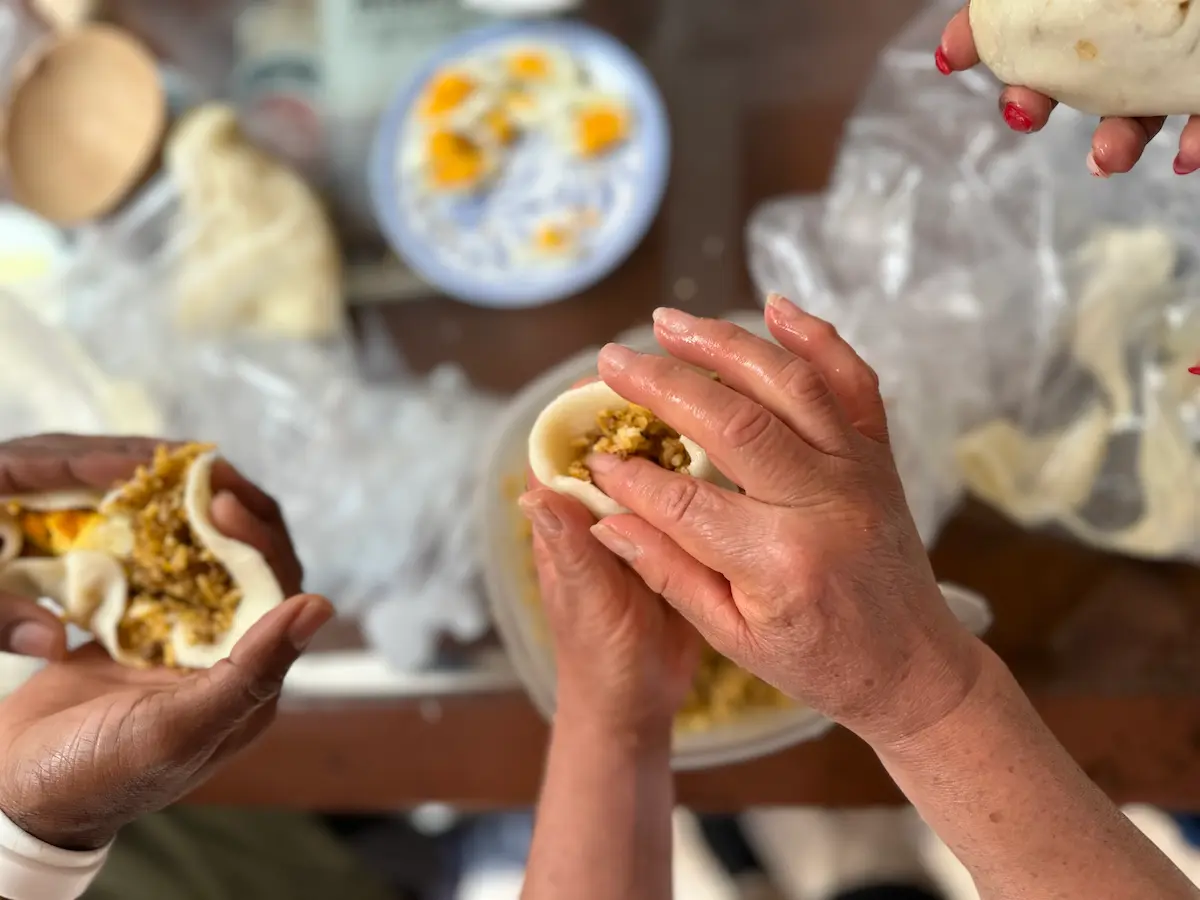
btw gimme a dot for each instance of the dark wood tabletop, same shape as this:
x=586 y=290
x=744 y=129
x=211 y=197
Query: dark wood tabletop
x=1108 y=648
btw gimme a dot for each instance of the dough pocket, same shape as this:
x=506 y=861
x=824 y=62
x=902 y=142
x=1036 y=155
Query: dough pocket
x=594 y=418
x=1103 y=57
x=142 y=568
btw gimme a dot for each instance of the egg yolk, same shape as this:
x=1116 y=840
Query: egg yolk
x=553 y=239
x=500 y=126
x=530 y=66
x=446 y=92
x=455 y=161
x=56 y=531
x=599 y=129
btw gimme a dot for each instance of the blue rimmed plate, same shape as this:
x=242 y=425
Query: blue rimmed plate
x=482 y=247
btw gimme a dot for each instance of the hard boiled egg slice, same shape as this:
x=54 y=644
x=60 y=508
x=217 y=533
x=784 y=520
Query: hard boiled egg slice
x=457 y=92
x=594 y=124
x=540 y=67
x=457 y=161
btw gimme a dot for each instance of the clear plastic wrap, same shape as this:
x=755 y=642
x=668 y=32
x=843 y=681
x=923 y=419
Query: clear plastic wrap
x=373 y=479
x=1031 y=325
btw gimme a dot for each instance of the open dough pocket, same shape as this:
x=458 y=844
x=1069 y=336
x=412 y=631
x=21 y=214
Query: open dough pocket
x=143 y=568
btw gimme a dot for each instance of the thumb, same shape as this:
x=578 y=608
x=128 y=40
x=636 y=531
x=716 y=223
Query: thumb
x=561 y=526
x=220 y=701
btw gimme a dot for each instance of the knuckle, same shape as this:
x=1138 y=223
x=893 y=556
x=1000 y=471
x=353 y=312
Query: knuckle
x=747 y=425
x=726 y=333
x=800 y=380
x=677 y=499
x=822 y=331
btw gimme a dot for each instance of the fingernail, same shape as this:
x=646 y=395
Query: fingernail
x=1017 y=118
x=613 y=358
x=311 y=619
x=675 y=321
x=32 y=639
x=1195 y=370
x=602 y=462
x=617 y=543
x=1181 y=167
x=782 y=306
x=943 y=64
x=1094 y=167
x=543 y=518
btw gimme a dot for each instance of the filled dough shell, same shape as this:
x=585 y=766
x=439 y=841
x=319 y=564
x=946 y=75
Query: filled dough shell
x=572 y=415
x=1103 y=57
x=92 y=588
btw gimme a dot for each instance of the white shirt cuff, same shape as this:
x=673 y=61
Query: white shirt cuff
x=34 y=870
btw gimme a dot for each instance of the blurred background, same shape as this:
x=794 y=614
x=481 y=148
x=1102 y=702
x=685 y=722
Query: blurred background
x=360 y=243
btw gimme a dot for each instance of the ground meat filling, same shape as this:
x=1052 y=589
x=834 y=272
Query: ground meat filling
x=172 y=577
x=628 y=432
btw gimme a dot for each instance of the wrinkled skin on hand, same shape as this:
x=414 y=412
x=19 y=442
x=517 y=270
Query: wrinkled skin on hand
x=623 y=656
x=815 y=578
x=88 y=745
x=1118 y=144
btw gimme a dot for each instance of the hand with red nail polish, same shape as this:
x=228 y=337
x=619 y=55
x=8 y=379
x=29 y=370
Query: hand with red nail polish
x=1118 y=143
x=88 y=744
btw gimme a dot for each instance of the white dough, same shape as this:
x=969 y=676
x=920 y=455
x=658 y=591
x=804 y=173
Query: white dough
x=1104 y=57
x=571 y=416
x=91 y=586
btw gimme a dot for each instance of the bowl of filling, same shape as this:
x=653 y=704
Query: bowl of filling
x=730 y=715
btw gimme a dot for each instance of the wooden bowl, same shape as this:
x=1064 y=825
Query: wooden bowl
x=84 y=122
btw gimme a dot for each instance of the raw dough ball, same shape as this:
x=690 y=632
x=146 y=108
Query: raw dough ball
x=1104 y=57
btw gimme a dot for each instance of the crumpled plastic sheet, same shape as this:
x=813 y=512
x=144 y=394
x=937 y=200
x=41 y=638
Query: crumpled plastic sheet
x=959 y=257
x=376 y=481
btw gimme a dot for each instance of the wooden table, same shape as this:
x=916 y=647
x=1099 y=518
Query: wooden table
x=1108 y=648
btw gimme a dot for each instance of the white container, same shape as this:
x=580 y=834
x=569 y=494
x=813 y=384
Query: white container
x=508 y=584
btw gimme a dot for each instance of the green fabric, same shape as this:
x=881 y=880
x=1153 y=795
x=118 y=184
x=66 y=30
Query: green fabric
x=198 y=853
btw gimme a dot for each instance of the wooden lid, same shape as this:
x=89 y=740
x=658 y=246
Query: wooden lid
x=83 y=125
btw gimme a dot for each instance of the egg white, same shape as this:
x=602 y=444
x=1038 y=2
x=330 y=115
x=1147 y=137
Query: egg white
x=564 y=124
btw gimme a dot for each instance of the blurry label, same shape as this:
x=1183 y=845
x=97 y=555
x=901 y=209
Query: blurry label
x=369 y=48
x=277 y=97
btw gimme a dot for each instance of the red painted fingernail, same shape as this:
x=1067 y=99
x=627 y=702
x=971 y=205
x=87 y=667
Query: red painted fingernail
x=943 y=64
x=1195 y=370
x=1182 y=168
x=1017 y=118
x=1094 y=167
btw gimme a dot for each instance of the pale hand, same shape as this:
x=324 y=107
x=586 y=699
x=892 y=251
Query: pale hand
x=815 y=579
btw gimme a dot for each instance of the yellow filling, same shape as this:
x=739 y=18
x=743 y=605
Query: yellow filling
x=632 y=431
x=173 y=578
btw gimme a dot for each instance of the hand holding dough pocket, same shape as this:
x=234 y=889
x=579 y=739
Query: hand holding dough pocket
x=1100 y=56
x=144 y=569
x=568 y=428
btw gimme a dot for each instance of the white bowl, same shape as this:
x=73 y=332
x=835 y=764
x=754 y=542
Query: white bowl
x=508 y=583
